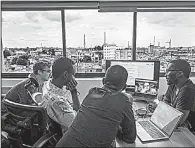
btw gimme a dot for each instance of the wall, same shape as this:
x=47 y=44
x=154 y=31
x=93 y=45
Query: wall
x=84 y=85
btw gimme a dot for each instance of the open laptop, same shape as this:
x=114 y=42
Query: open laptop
x=146 y=90
x=161 y=124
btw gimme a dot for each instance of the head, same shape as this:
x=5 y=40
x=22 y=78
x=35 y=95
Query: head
x=147 y=86
x=63 y=70
x=42 y=70
x=116 y=77
x=177 y=70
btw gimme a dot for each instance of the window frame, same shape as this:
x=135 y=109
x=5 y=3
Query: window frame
x=106 y=6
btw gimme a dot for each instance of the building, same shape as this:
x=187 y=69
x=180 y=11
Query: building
x=141 y=50
x=123 y=54
x=109 y=51
x=20 y=53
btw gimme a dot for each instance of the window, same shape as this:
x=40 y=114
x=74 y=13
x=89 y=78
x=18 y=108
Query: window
x=28 y=36
x=165 y=36
x=92 y=37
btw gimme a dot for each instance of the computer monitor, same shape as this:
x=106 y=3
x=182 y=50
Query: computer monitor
x=147 y=87
x=138 y=69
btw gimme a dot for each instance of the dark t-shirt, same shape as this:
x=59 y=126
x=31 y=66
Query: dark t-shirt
x=19 y=94
x=185 y=100
x=98 y=120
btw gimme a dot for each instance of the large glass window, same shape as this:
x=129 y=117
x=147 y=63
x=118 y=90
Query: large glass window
x=166 y=36
x=92 y=37
x=28 y=36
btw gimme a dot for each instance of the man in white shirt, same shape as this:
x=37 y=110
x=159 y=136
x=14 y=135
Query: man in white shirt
x=58 y=92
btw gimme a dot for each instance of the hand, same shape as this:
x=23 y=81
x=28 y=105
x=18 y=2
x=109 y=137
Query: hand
x=72 y=85
x=152 y=106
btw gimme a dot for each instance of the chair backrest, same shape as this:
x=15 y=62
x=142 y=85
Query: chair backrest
x=21 y=112
x=25 y=124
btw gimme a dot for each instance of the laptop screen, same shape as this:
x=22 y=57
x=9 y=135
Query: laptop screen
x=166 y=117
x=143 y=86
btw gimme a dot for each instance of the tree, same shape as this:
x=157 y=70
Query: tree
x=44 y=51
x=86 y=59
x=25 y=56
x=21 y=61
x=51 y=51
x=14 y=60
x=6 y=53
x=98 y=48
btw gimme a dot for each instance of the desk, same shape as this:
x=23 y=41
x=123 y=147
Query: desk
x=181 y=137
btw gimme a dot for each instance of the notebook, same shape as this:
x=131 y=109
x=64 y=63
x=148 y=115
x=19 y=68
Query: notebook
x=161 y=124
x=146 y=90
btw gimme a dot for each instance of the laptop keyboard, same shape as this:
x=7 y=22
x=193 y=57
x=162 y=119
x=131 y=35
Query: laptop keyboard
x=151 y=130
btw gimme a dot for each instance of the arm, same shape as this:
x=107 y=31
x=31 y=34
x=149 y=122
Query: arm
x=61 y=112
x=167 y=97
x=72 y=87
x=185 y=102
x=75 y=100
x=185 y=115
x=127 y=133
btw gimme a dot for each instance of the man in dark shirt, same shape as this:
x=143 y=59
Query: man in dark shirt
x=181 y=92
x=106 y=113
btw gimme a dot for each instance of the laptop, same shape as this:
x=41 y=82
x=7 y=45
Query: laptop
x=146 y=90
x=161 y=124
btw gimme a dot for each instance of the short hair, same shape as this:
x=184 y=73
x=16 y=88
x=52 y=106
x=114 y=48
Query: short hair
x=116 y=75
x=183 y=66
x=40 y=65
x=60 y=65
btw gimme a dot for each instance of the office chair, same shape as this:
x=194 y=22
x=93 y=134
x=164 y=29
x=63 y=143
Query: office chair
x=25 y=125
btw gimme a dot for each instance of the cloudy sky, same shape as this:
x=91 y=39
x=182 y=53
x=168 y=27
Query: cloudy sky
x=31 y=29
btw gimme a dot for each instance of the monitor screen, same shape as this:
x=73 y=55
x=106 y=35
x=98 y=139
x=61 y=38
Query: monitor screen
x=138 y=69
x=146 y=87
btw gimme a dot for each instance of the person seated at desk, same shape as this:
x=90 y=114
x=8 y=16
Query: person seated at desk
x=181 y=92
x=106 y=113
x=146 y=88
x=59 y=91
x=18 y=93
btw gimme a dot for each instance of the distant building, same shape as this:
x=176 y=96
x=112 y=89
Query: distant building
x=141 y=50
x=19 y=53
x=59 y=52
x=34 y=53
x=152 y=48
x=123 y=54
x=109 y=51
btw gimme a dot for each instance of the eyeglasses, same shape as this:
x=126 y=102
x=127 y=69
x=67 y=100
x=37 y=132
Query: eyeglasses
x=172 y=70
x=47 y=71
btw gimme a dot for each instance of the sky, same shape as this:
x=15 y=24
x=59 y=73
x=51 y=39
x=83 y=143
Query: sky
x=33 y=29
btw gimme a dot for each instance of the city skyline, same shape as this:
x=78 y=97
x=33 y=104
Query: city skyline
x=31 y=29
